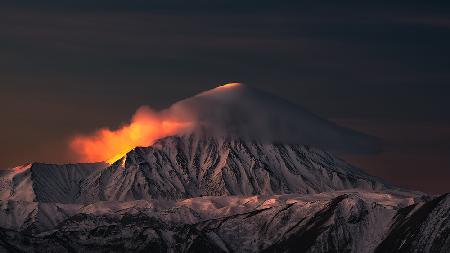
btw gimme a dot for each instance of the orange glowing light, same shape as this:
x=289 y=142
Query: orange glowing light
x=230 y=85
x=110 y=145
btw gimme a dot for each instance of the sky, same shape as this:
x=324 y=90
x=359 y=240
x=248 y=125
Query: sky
x=70 y=67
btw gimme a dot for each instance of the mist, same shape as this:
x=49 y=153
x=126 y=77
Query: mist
x=247 y=112
x=233 y=109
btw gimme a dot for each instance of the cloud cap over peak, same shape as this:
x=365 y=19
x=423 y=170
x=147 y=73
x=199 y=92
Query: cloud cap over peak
x=242 y=110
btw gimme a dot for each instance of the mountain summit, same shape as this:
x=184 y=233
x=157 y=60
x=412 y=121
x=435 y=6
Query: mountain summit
x=251 y=113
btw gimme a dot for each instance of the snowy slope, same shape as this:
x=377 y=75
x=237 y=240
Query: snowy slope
x=20 y=215
x=197 y=164
x=345 y=221
x=423 y=227
x=45 y=182
x=187 y=166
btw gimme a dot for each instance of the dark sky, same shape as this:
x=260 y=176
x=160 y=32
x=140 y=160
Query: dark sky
x=72 y=67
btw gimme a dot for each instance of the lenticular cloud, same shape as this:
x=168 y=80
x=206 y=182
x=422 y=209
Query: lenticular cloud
x=247 y=112
x=233 y=109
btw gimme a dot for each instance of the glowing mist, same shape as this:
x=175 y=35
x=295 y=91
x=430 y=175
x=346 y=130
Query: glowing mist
x=108 y=145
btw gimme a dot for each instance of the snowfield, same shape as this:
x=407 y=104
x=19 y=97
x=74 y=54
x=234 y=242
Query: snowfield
x=342 y=221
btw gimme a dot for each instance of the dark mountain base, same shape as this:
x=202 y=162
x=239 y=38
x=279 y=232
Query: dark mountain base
x=330 y=222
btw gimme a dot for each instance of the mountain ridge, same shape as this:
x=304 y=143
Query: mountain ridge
x=191 y=165
x=338 y=221
x=197 y=193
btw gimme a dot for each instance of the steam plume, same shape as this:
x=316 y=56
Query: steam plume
x=109 y=145
x=232 y=109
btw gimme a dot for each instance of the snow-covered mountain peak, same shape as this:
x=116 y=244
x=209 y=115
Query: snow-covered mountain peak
x=191 y=165
x=251 y=113
x=45 y=182
x=226 y=87
x=200 y=164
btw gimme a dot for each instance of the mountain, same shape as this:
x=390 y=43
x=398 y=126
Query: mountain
x=339 y=221
x=45 y=182
x=186 y=166
x=255 y=174
x=197 y=164
x=198 y=193
x=251 y=113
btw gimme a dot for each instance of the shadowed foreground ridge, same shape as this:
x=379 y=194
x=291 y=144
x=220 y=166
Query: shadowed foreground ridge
x=348 y=221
